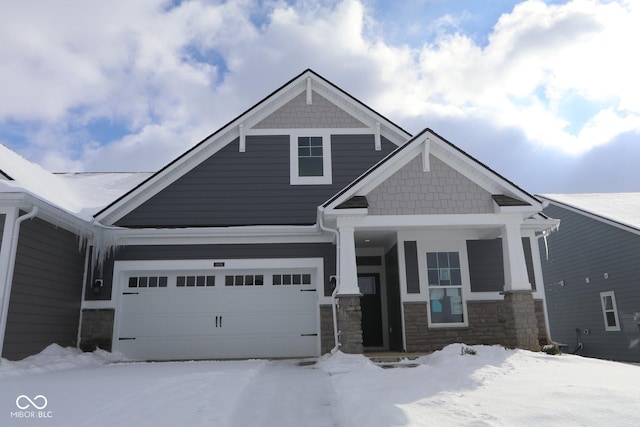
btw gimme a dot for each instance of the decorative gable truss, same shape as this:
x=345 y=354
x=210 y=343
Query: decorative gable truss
x=306 y=106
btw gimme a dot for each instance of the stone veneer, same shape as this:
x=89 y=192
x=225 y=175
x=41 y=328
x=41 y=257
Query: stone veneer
x=350 y=324
x=96 y=329
x=327 y=341
x=321 y=113
x=443 y=190
x=521 y=325
x=490 y=322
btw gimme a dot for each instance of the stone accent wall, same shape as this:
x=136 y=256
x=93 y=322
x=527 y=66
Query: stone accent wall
x=490 y=323
x=443 y=190
x=320 y=114
x=96 y=329
x=522 y=324
x=350 y=324
x=327 y=341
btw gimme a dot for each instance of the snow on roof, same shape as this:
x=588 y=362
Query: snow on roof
x=623 y=208
x=81 y=194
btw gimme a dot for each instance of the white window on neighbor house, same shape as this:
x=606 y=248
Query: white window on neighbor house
x=610 y=311
x=446 y=304
x=310 y=158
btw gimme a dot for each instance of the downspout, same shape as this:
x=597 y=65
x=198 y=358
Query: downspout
x=336 y=333
x=9 y=277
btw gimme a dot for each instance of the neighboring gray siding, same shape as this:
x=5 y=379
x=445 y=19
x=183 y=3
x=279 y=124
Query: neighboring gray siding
x=584 y=247
x=443 y=190
x=252 y=188
x=486 y=264
x=44 y=306
x=321 y=113
x=326 y=251
x=411 y=267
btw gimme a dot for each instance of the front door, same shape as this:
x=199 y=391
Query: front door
x=371 y=307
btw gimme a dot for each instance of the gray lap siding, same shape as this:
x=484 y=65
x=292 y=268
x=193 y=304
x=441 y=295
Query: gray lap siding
x=253 y=188
x=44 y=306
x=584 y=248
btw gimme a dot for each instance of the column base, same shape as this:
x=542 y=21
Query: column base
x=350 y=324
x=521 y=326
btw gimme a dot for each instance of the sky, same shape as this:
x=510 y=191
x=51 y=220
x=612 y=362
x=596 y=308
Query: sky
x=543 y=92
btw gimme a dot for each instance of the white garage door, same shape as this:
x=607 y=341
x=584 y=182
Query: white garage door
x=207 y=314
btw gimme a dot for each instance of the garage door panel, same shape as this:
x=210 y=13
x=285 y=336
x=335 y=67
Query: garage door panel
x=227 y=319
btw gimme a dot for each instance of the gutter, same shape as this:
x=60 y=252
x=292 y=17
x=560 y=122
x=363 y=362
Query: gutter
x=336 y=332
x=9 y=277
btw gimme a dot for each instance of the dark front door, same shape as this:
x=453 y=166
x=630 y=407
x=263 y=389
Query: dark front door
x=371 y=306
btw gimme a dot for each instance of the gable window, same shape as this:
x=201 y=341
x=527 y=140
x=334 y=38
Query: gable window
x=446 y=305
x=610 y=311
x=310 y=158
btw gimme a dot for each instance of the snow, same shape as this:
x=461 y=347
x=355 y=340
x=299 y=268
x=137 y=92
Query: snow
x=623 y=208
x=495 y=387
x=81 y=194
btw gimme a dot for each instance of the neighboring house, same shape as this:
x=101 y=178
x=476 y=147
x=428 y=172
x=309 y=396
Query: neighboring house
x=309 y=213
x=592 y=274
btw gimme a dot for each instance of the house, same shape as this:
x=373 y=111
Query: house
x=592 y=274
x=308 y=222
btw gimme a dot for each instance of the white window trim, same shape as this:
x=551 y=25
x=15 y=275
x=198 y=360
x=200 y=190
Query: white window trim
x=326 y=177
x=615 y=311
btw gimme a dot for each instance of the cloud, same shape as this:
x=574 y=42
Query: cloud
x=164 y=75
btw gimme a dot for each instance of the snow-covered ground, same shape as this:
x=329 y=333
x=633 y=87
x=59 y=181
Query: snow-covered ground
x=495 y=387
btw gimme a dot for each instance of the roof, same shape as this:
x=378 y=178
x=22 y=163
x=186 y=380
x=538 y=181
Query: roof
x=80 y=194
x=621 y=208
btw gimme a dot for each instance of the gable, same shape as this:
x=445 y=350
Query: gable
x=320 y=113
x=441 y=190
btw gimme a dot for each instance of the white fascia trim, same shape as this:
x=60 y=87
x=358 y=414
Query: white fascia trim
x=592 y=216
x=47 y=212
x=227 y=235
x=540 y=225
x=440 y=220
x=290 y=131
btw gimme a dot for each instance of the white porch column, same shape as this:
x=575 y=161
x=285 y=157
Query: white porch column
x=515 y=267
x=348 y=271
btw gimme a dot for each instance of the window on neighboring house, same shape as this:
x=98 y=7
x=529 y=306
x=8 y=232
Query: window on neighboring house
x=310 y=159
x=610 y=311
x=446 y=305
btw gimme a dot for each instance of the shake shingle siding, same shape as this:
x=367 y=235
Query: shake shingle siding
x=253 y=188
x=44 y=305
x=588 y=248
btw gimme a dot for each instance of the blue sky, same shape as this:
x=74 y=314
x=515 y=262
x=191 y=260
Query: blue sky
x=544 y=92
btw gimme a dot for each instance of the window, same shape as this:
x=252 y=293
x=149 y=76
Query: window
x=610 y=311
x=446 y=305
x=195 y=281
x=310 y=158
x=291 y=279
x=244 y=280
x=148 y=282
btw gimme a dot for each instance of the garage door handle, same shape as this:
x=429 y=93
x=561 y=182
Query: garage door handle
x=218 y=321
x=308 y=335
x=125 y=338
x=307 y=290
x=130 y=293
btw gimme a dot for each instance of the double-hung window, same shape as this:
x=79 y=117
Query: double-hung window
x=610 y=311
x=446 y=305
x=310 y=158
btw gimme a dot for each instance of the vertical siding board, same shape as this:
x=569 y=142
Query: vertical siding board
x=585 y=247
x=411 y=266
x=253 y=188
x=44 y=306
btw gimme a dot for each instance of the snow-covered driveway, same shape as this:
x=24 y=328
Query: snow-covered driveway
x=495 y=387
